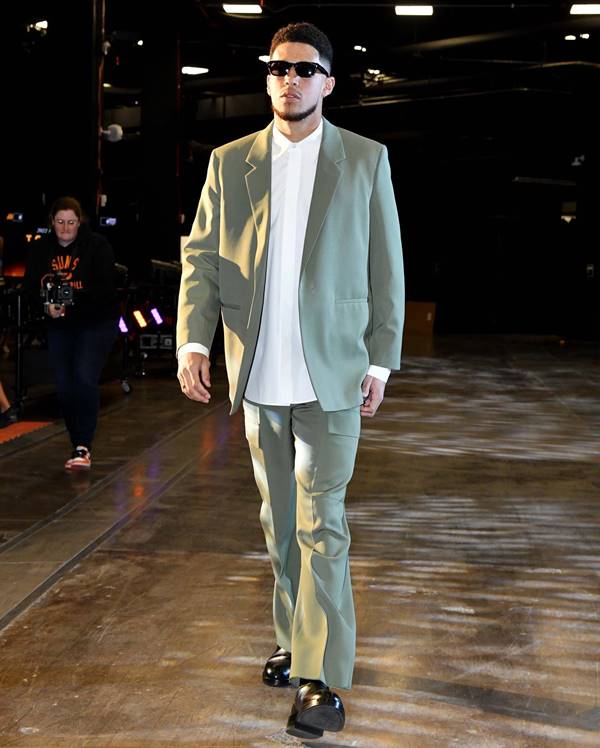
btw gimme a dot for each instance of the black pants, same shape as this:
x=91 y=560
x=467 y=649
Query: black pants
x=78 y=356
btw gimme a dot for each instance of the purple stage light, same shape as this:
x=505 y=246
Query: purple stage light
x=122 y=326
x=156 y=314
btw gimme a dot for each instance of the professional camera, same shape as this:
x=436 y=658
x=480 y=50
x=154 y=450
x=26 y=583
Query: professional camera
x=55 y=290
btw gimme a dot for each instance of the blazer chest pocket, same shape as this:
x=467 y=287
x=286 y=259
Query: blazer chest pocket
x=351 y=301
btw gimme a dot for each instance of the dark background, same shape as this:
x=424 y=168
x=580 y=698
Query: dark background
x=488 y=112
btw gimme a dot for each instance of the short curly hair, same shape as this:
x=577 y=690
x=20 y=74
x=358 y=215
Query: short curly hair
x=305 y=33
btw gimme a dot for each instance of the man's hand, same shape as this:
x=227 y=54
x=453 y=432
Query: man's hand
x=194 y=376
x=56 y=310
x=372 y=390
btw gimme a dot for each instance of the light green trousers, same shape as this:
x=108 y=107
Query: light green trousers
x=303 y=459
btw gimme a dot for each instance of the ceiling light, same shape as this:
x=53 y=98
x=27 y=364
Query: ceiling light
x=570 y=38
x=113 y=133
x=107 y=85
x=359 y=48
x=40 y=26
x=254 y=8
x=414 y=10
x=264 y=58
x=583 y=8
x=373 y=71
x=140 y=43
x=584 y=36
x=191 y=70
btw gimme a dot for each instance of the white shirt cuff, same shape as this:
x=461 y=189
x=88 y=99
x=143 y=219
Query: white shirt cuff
x=379 y=372
x=192 y=348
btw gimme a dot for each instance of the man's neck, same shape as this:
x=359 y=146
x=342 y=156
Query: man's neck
x=297 y=131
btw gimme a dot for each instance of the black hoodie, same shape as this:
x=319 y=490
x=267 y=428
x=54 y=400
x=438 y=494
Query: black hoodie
x=88 y=264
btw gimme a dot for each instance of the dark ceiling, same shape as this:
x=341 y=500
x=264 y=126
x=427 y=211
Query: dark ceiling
x=468 y=52
x=494 y=84
x=475 y=79
x=469 y=62
x=463 y=48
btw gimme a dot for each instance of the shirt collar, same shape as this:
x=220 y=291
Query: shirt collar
x=284 y=143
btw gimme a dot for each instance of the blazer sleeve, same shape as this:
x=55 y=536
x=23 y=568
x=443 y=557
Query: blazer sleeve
x=199 y=304
x=386 y=271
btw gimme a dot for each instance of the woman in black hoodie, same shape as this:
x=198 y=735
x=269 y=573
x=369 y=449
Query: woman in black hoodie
x=81 y=334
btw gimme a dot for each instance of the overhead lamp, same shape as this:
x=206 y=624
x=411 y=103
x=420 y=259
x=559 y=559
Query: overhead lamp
x=585 y=9
x=140 y=42
x=264 y=58
x=414 y=10
x=584 y=36
x=570 y=38
x=107 y=85
x=191 y=70
x=373 y=71
x=113 y=133
x=359 y=48
x=41 y=27
x=240 y=8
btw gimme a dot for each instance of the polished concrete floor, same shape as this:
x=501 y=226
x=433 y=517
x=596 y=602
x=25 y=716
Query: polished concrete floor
x=135 y=601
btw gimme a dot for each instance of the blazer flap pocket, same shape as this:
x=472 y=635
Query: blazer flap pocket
x=351 y=301
x=344 y=422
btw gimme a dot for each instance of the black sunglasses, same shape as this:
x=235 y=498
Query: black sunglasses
x=280 y=68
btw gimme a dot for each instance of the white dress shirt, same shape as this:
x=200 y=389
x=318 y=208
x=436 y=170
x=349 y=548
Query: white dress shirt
x=279 y=375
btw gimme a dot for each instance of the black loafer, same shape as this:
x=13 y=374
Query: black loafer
x=277 y=669
x=315 y=709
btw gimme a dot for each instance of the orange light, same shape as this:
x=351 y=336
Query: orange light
x=15 y=271
x=139 y=318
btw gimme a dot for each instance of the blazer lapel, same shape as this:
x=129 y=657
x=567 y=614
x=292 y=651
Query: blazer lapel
x=326 y=182
x=258 y=184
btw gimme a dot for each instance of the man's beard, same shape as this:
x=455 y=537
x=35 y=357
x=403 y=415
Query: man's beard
x=296 y=117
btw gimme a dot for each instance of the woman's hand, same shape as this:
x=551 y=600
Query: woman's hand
x=56 y=310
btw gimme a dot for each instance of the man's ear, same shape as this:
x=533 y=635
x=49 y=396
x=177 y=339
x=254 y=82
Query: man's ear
x=268 y=88
x=328 y=87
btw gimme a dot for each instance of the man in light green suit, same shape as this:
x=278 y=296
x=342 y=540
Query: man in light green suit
x=296 y=244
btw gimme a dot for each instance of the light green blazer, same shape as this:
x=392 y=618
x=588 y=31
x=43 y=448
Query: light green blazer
x=351 y=291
